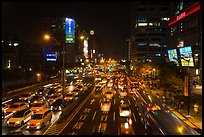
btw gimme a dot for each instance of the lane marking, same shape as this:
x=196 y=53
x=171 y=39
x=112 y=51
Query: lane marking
x=94 y=115
x=134 y=117
x=129 y=102
x=113 y=116
x=114 y=102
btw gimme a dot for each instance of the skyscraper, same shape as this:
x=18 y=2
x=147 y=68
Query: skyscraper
x=149 y=31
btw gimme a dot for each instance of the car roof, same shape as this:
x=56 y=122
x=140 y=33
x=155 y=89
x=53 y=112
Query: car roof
x=18 y=103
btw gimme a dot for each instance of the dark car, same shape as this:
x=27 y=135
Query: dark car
x=36 y=98
x=50 y=92
x=57 y=105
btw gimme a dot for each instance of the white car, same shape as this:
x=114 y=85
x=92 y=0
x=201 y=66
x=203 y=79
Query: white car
x=124 y=110
x=105 y=105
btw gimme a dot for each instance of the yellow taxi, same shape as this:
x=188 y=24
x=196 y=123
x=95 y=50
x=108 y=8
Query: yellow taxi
x=39 y=119
x=20 y=117
x=39 y=106
x=17 y=106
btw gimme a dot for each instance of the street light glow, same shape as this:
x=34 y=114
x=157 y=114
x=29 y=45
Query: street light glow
x=47 y=37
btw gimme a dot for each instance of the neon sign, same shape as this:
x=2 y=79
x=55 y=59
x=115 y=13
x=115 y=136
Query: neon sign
x=184 y=14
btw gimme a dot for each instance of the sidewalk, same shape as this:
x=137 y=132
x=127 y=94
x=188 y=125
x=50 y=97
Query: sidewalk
x=194 y=119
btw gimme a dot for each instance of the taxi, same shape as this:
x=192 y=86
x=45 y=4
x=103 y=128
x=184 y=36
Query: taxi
x=39 y=106
x=20 y=117
x=17 y=106
x=39 y=119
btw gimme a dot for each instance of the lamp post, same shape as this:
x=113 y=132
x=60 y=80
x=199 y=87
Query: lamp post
x=63 y=65
x=188 y=115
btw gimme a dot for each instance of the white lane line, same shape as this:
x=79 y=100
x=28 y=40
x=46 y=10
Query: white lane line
x=134 y=116
x=100 y=101
x=94 y=115
x=114 y=102
x=129 y=102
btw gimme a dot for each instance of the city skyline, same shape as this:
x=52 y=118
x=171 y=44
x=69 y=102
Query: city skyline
x=110 y=23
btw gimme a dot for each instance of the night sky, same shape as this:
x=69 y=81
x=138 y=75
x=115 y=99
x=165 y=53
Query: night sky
x=110 y=20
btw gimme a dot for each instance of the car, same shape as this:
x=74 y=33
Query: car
x=53 y=98
x=20 y=117
x=40 y=91
x=39 y=119
x=38 y=106
x=17 y=106
x=57 y=105
x=76 y=92
x=109 y=94
x=36 y=98
x=123 y=93
x=124 y=110
x=69 y=97
x=126 y=129
x=50 y=92
x=105 y=105
x=5 y=107
x=26 y=97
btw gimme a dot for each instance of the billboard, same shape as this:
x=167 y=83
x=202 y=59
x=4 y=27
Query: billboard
x=69 y=30
x=51 y=56
x=172 y=53
x=186 y=56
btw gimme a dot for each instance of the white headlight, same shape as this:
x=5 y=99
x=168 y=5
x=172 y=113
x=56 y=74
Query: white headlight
x=17 y=122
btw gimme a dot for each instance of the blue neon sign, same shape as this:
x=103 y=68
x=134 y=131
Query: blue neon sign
x=69 y=30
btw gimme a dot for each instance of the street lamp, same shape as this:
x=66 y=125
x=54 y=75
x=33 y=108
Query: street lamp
x=188 y=115
x=63 y=65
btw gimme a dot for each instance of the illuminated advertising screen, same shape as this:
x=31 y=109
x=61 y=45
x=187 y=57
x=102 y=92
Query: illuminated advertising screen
x=186 y=56
x=173 y=56
x=51 y=56
x=69 y=30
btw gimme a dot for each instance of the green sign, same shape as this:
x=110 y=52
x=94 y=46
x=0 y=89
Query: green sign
x=70 y=39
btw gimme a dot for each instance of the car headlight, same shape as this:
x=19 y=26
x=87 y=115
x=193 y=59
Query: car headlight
x=18 y=122
x=38 y=123
x=14 y=111
x=7 y=122
x=38 y=110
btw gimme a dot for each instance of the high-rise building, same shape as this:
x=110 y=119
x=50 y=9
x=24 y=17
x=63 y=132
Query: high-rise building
x=185 y=29
x=149 y=31
x=56 y=27
x=10 y=52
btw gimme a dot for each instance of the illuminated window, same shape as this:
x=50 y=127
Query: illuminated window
x=158 y=55
x=2 y=41
x=142 y=24
x=150 y=24
x=142 y=44
x=53 y=26
x=165 y=19
x=15 y=44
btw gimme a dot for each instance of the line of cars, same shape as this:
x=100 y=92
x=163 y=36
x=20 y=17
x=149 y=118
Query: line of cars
x=35 y=109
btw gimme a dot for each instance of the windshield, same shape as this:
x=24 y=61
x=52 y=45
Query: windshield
x=14 y=106
x=37 y=105
x=18 y=114
x=37 y=116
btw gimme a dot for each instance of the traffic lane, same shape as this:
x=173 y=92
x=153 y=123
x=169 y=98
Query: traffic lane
x=80 y=124
x=137 y=125
x=6 y=129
